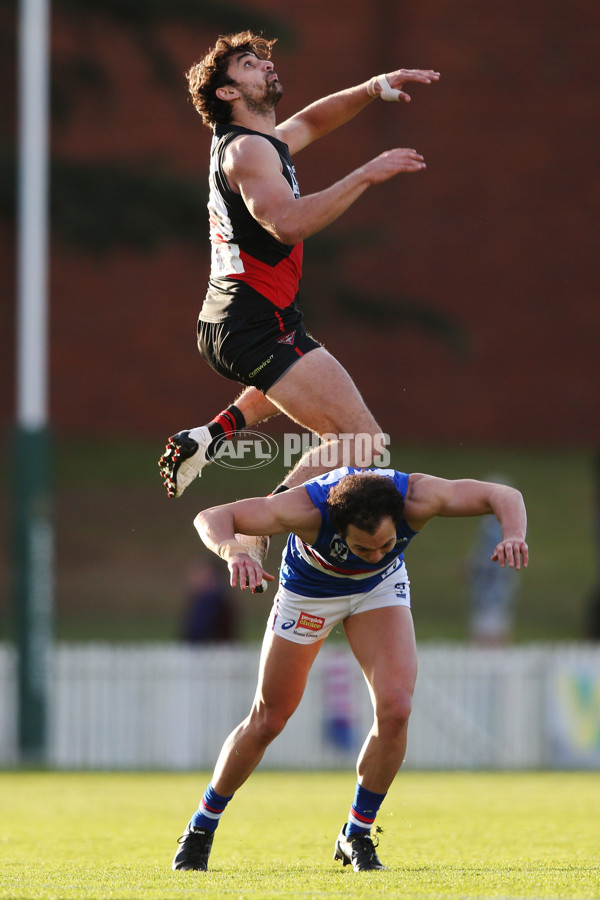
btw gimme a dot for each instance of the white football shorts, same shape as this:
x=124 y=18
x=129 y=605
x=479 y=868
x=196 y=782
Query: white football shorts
x=307 y=619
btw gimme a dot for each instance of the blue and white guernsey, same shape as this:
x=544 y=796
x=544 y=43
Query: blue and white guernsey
x=328 y=568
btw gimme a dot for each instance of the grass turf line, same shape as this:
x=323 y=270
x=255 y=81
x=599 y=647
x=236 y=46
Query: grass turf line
x=446 y=835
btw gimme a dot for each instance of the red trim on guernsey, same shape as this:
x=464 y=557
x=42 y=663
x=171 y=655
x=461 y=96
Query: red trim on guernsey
x=299 y=352
x=279 y=283
x=327 y=565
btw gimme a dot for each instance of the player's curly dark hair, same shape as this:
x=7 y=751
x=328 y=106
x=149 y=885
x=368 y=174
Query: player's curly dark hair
x=210 y=73
x=363 y=500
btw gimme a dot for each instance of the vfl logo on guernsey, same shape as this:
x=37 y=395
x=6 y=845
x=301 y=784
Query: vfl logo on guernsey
x=313 y=623
x=338 y=549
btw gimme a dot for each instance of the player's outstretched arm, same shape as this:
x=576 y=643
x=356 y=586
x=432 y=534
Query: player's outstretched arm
x=252 y=167
x=290 y=511
x=328 y=113
x=509 y=508
x=429 y=496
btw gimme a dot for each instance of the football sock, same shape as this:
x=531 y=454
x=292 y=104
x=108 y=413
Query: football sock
x=212 y=807
x=224 y=426
x=363 y=811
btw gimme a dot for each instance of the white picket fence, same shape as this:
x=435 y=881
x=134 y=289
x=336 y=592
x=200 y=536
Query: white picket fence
x=170 y=706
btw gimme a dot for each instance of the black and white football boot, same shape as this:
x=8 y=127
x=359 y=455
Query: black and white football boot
x=357 y=851
x=185 y=456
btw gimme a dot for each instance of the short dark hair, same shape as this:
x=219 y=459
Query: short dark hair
x=364 y=500
x=210 y=73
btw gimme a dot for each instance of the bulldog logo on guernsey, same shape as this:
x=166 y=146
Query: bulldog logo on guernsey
x=313 y=623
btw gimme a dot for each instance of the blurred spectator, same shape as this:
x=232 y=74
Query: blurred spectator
x=492 y=589
x=208 y=614
x=339 y=705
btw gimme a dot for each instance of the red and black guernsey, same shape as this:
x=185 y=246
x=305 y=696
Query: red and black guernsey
x=252 y=273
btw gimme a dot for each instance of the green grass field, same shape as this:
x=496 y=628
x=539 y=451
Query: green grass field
x=455 y=835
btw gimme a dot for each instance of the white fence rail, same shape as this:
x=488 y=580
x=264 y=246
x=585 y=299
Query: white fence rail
x=170 y=707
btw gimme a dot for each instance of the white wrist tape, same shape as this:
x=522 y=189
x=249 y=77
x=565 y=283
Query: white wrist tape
x=231 y=544
x=387 y=92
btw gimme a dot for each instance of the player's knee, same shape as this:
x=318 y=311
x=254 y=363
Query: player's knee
x=269 y=723
x=393 y=712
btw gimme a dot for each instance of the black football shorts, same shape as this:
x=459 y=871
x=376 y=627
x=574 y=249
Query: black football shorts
x=255 y=352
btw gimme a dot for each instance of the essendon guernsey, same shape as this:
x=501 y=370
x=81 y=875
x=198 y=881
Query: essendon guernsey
x=251 y=271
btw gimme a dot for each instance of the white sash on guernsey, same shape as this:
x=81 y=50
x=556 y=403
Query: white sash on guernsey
x=316 y=561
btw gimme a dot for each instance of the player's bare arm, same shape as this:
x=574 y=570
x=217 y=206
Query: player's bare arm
x=292 y=510
x=253 y=168
x=429 y=496
x=328 y=113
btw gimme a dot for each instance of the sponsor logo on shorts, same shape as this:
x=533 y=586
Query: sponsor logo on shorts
x=287 y=338
x=286 y=625
x=261 y=367
x=313 y=623
x=309 y=635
